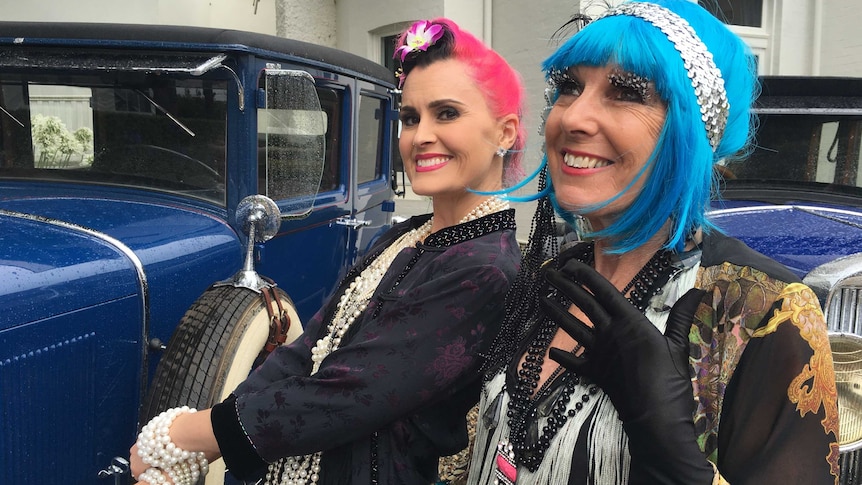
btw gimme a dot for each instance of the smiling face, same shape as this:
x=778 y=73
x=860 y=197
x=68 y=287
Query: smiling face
x=449 y=135
x=599 y=135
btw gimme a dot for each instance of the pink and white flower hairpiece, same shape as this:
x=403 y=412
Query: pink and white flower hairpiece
x=420 y=36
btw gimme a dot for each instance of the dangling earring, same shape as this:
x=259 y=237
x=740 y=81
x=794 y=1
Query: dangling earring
x=501 y=152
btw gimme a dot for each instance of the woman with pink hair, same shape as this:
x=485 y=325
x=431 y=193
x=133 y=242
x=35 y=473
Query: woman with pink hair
x=378 y=385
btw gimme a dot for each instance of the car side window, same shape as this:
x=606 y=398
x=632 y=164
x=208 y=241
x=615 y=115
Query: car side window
x=331 y=102
x=371 y=125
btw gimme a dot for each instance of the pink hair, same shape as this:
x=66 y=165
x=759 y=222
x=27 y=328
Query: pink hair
x=500 y=83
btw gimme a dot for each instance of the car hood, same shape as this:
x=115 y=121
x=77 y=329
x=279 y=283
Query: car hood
x=66 y=253
x=48 y=269
x=799 y=236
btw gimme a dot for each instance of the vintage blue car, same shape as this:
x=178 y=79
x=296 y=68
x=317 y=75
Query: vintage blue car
x=173 y=202
x=798 y=198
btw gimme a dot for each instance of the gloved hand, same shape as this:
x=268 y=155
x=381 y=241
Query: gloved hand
x=644 y=373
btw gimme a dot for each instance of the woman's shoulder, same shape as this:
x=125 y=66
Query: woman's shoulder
x=718 y=249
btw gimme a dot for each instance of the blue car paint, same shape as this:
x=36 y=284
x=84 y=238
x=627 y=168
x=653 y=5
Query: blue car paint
x=80 y=293
x=183 y=250
x=49 y=270
x=801 y=237
x=88 y=351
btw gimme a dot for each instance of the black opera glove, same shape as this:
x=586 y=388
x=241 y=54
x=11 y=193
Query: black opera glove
x=644 y=373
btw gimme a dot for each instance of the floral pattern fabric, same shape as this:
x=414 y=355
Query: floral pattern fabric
x=764 y=383
x=396 y=392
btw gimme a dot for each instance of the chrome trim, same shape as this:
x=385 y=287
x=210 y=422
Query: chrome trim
x=808 y=111
x=117 y=244
x=848 y=317
x=825 y=277
x=260 y=220
x=351 y=222
x=850 y=468
x=810 y=209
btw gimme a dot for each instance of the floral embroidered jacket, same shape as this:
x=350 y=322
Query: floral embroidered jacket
x=764 y=382
x=393 y=397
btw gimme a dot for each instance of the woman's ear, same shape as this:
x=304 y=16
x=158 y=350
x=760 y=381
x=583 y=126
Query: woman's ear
x=510 y=126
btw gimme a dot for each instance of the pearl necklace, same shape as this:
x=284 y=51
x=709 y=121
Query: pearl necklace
x=486 y=207
x=355 y=298
x=299 y=470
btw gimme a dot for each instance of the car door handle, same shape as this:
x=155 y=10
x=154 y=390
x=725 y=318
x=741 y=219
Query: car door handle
x=352 y=222
x=118 y=470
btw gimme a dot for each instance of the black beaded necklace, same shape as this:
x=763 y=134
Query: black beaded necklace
x=527 y=404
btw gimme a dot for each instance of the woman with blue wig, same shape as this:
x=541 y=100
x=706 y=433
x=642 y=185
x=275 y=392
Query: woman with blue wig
x=654 y=349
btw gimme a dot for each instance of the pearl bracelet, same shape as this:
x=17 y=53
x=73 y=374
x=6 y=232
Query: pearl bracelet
x=153 y=476
x=167 y=460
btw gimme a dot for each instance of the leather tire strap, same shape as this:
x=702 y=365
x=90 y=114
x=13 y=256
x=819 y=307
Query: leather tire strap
x=279 y=321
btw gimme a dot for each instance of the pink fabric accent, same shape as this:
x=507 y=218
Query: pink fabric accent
x=505 y=466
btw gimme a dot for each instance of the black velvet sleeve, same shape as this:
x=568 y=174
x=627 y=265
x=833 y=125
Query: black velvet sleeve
x=240 y=457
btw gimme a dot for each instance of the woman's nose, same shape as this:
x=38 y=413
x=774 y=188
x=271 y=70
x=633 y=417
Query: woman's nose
x=581 y=115
x=424 y=133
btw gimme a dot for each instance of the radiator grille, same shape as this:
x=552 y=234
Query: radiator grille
x=47 y=419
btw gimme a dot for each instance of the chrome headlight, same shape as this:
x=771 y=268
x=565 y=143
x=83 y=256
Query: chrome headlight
x=838 y=285
x=847 y=354
x=843 y=310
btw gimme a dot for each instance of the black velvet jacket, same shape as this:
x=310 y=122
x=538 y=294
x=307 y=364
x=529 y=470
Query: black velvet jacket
x=393 y=397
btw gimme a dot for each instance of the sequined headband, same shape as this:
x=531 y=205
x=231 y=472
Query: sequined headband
x=704 y=74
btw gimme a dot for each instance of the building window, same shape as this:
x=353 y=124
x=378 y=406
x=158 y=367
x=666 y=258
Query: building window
x=747 y=13
x=387 y=44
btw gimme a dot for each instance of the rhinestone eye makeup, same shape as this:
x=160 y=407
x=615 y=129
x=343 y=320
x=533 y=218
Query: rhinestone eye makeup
x=627 y=80
x=558 y=81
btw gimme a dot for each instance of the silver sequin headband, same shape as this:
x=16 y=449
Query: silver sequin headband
x=704 y=74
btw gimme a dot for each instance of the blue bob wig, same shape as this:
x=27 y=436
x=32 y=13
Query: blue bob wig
x=681 y=178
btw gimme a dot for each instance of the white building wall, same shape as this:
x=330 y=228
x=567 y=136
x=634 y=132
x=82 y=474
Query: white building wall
x=228 y=14
x=840 y=47
x=312 y=21
x=361 y=23
x=793 y=37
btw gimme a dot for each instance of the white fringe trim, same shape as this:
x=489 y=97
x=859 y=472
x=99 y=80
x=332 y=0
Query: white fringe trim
x=610 y=462
x=483 y=462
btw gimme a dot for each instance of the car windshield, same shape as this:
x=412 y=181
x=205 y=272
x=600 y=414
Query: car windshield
x=154 y=130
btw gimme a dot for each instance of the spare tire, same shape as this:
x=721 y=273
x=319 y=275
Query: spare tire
x=213 y=349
